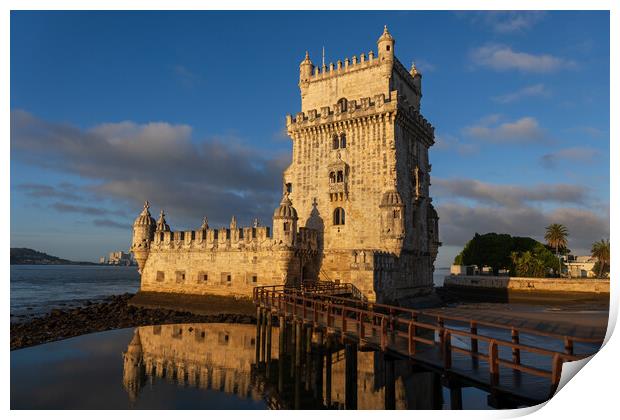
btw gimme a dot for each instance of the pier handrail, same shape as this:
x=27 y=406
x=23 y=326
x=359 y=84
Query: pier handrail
x=390 y=323
x=392 y=309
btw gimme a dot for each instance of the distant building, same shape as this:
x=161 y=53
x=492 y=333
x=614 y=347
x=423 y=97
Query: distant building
x=579 y=266
x=464 y=270
x=120 y=258
x=102 y=260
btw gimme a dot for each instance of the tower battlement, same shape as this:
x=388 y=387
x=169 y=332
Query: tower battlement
x=353 y=109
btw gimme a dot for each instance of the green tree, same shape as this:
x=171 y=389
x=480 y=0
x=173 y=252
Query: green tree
x=536 y=262
x=556 y=236
x=495 y=250
x=601 y=251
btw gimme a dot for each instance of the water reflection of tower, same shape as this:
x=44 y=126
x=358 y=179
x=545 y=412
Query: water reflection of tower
x=133 y=374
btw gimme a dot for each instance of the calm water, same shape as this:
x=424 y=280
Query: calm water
x=36 y=289
x=213 y=366
x=439 y=275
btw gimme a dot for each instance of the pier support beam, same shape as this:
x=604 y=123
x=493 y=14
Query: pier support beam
x=350 y=351
x=390 y=383
x=268 y=342
x=456 y=398
x=328 y=373
x=298 y=341
x=258 y=332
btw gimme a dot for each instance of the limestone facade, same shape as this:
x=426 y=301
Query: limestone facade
x=359 y=180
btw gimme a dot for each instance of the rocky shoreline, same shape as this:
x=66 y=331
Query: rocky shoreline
x=111 y=313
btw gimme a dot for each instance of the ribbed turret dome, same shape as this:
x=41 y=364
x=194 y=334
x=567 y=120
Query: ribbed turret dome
x=306 y=60
x=286 y=209
x=385 y=36
x=144 y=219
x=162 y=226
x=391 y=198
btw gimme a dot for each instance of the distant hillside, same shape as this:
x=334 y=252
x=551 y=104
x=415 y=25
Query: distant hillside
x=30 y=256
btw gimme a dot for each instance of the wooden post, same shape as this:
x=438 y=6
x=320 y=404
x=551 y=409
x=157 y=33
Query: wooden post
x=410 y=339
x=440 y=333
x=298 y=338
x=556 y=371
x=516 y=352
x=308 y=339
x=493 y=365
x=258 y=331
x=329 y=311
x=384 y=329
x=303 y=313
x=473 y=328
x=268 y=343
x=282 y=337
x=315 y=315
x=362 y=329
x=447 y=349
x=568 y=346
x=344 y=321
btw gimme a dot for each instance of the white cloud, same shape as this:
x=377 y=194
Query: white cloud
x=525 y=129
x=501 y=57
x=505 y=21
x=538 y=90
x=509 y=195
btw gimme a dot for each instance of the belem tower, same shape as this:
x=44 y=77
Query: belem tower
x=355 y=206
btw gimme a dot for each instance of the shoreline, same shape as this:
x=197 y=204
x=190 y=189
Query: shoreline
x=113 y=312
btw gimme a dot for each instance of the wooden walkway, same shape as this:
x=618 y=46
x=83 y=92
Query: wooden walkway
x=519 y=362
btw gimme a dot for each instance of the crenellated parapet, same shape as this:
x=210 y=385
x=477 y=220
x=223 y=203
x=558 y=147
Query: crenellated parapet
x=223 y=238
x=356 y=110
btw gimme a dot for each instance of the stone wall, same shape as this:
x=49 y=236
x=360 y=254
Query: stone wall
x=218 y=272
x=529 y=284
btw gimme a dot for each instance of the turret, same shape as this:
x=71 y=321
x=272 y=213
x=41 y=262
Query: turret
x=143 y=231
x=162 y=226
x=132 y=366
x=385 y=46
x=305 y=69
x=417 y=79
x=392 y=215
x=285 y=222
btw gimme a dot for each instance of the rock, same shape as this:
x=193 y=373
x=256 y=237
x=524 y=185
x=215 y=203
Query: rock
x=56 y=312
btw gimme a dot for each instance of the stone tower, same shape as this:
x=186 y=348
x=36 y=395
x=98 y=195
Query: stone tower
x=360 y=171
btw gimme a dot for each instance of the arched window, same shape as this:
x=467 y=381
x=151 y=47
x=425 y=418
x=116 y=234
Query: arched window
x=342 y=105
x=332 y=177
x=396 y=214
x=343 y=141
x=339 y=216
x=335 y=142
x=287 y=226
x=340 y=177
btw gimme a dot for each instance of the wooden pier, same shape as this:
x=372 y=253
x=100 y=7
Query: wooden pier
x=521 y=364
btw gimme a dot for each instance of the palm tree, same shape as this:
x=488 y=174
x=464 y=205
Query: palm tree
x=600 y=251
x=555 y=236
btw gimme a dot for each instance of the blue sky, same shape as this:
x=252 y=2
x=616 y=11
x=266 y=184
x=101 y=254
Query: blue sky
x=187 y=109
